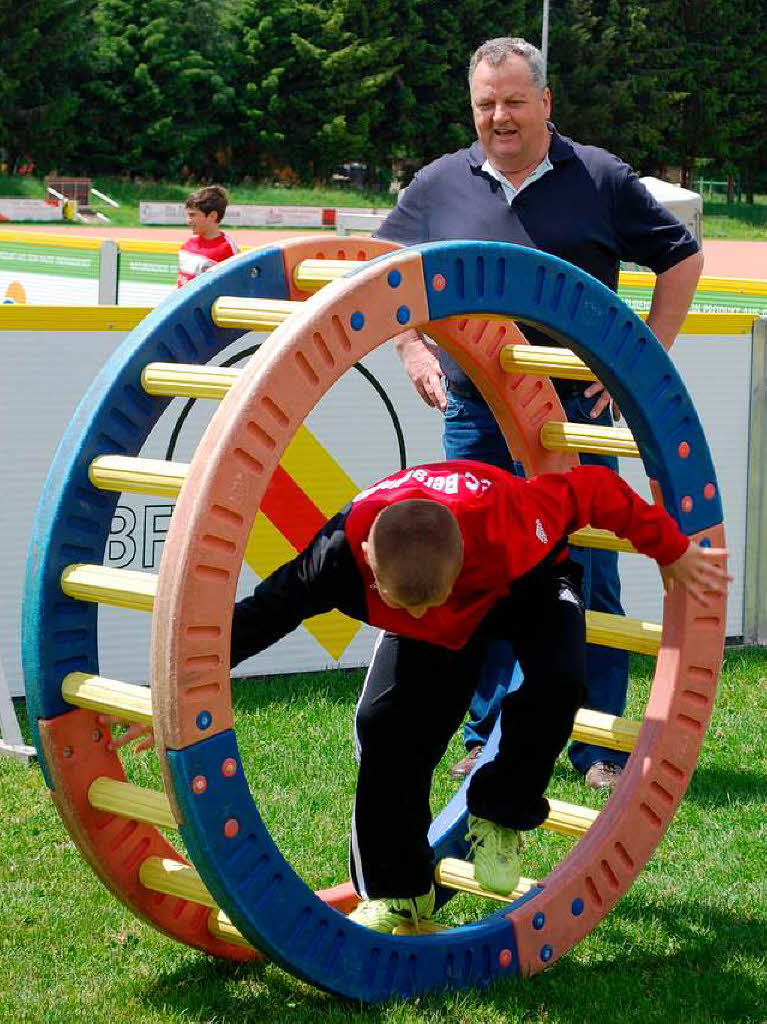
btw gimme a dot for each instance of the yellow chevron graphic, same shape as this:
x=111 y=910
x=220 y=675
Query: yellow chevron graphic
x=317 y=473
x=329 y=487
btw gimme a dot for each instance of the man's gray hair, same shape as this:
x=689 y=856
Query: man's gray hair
x=497 y=51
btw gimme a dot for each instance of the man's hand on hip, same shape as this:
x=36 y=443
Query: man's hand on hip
x=422 y=366
x=602 y=402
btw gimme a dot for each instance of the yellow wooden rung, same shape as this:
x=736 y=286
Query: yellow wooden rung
x=129 y=801
x=185 y=380
x=603 y=730
x=622 y=632
x=311 y=275
x=589 y=537
x=569 y=819
x=252 y=314
x=137 y=476
x=459 y=874
x=108 y=696
x=222 y=928
x=162 y=874
x=586 y=437
x=103 y=584
x=542 y=360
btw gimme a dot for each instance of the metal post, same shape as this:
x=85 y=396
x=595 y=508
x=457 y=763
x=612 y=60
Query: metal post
x=545 y=39
x=108 y=274
x=11 y=741
x=755 y=598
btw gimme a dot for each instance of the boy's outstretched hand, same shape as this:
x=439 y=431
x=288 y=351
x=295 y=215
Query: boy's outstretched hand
x=697 y=572
x=141 y=733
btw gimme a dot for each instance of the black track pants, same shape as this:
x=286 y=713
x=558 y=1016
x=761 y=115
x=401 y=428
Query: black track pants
x=415 y=697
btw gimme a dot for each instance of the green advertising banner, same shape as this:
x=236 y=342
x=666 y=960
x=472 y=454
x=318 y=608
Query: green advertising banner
x=149 y=267
x=19 y=258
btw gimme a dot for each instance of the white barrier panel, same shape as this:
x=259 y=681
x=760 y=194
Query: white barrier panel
x=146 y=276
x=49 y=270
x=18 y=210
x=247 y=215
x=349 y=221
x=240 y=216
x=48 y=372
x=161 y=213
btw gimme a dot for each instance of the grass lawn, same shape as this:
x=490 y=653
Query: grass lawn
x=687 y=944
x=129 y=194
x=740 y=221
x=720 y=219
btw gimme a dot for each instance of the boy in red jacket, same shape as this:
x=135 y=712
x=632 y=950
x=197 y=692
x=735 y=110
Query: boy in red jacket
x=441 y=557
x=208 y=245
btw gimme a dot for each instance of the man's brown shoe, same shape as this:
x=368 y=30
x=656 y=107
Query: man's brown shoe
x=603 y=775
x=466 y=765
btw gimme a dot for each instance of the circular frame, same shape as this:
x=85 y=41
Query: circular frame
x=72 y=523
x=426 y=287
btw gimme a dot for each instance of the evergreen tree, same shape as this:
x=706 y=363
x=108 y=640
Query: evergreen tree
x=158 y=97
x=37 y=106
x=608 y=87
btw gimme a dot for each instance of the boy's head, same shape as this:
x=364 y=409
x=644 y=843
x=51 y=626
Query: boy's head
x=205 y=210
x=415 y=552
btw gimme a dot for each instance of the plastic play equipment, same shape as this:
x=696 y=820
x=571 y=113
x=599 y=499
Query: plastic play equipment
x=240 y=892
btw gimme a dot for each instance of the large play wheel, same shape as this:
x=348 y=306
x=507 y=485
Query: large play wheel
x=117 y=826
x=219 y=821
x=259 y=900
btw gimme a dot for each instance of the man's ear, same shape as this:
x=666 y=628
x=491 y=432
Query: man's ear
x=365 y=551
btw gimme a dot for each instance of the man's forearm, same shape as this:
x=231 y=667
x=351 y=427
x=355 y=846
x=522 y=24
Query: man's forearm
x=671 y=298
x=408 y=339
x=419 y=357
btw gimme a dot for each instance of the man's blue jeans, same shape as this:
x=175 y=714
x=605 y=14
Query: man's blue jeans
x=471 y=432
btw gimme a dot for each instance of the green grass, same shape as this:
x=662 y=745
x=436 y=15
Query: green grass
x=129 y=194
x=737 y=221
x=687 y=944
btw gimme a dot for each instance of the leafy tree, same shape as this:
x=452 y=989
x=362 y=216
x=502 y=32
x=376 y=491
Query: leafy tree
x=316 y=81
x=37 y=107
x=222 y=88
x=608 y=87
x=158 y=95
x=739 y=79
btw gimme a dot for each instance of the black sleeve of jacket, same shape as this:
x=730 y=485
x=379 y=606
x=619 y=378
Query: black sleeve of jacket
x=323 y=576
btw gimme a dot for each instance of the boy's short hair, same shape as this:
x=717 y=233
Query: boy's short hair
x=208 y=199
x=417 y=546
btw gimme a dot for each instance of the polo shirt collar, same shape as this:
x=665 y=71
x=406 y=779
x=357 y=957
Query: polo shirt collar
x=560 y=148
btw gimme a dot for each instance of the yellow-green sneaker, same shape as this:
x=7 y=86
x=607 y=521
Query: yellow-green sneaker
x=496 y=851
x=387 y=915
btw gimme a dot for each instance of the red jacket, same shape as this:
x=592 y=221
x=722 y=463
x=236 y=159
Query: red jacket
x=198 y=254
x=509 y=526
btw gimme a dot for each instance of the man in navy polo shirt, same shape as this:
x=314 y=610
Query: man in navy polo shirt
x=523 y=182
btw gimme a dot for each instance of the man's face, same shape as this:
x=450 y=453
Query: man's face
x=510 y=114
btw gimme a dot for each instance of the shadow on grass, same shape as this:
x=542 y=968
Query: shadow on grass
x=706 y=978
x=720 y=786
x=745 y=213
